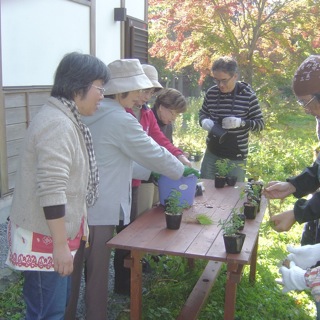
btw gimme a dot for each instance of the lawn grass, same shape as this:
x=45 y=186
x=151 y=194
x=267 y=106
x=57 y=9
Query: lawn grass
x=283 y=149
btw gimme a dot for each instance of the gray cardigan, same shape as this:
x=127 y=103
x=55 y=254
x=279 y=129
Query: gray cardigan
x=53 y=170
x=118 y=140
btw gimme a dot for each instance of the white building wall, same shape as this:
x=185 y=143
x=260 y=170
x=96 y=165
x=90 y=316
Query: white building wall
x=135 y=8
x=35 y=36
x=108 y=46
x=108 y=31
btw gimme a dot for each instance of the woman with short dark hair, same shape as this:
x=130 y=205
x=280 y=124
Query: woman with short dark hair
x=56 y=180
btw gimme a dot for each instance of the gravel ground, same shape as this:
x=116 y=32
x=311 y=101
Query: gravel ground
x=118 y=305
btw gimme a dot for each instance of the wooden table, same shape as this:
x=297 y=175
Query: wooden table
x=148 y=234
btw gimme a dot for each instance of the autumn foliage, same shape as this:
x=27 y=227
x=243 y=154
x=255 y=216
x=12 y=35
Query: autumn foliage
x=268 y=38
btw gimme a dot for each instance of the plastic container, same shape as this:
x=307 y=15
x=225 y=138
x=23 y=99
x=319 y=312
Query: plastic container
x=186 y=185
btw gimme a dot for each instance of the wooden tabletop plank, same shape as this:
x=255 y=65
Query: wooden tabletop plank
x=149 y=233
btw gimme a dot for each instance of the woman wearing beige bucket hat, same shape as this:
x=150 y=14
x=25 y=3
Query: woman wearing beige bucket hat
x=143 y=194
x=150 y=124
x=304 y=271
x=118 y=140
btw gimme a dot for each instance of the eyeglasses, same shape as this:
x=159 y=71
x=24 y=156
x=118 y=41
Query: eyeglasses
x=102 y=90
x=147 y=92
x=223 y=82
x=305 y=105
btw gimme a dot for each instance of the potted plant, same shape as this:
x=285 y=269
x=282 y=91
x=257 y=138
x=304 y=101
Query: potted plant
x=223 y=167
x=242 y=216
x=231 y=180
x=233 y=239
x=257 y=187
x=250 y=206
x=194 y=148
x=174 y=209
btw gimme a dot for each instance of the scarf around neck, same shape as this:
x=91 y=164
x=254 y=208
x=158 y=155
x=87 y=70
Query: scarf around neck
x=92 y=188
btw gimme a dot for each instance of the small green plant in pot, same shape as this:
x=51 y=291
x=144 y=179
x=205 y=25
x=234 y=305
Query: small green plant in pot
x=223 y=167
x=233 y=239
x=174 y=209
x=252 y=203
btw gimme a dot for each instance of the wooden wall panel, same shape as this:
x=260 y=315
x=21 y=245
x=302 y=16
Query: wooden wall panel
x=13 y=148
x=20 y=106
x=12 y=164
x=16 y=131
x=16 y=115
x=13 y=100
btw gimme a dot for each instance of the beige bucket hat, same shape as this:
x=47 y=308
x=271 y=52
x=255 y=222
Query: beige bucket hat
x=126 y=75
x=152 y=73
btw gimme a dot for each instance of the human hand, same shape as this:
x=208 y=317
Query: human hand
x=293 y=278
x=283 y=221
x=62 y=259
x=207 y=124
x=183 y=159
x=305 y=256
x=278 y=190
x=231 y=123
x=188 y=171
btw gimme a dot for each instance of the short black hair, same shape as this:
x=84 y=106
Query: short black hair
x=225 y=64
x=76 y=73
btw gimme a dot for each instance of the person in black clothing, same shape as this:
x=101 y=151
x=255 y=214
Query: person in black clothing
x=305 y=272
x=230 y=110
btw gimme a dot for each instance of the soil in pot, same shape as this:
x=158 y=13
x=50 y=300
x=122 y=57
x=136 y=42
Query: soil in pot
x=234 y=243
x=250 y=210
x=173 y=221
x=219 y=181
x=231 y=180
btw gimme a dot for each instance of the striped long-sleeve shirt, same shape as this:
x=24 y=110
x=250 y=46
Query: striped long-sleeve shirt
x=241 y=103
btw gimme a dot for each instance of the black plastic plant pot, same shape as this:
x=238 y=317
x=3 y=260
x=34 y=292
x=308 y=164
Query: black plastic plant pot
x=173 y=221
x=258 y=206
x=197 y=157
x=219 y=182
x=231 y=180
x=250 y=210
x=234 y=243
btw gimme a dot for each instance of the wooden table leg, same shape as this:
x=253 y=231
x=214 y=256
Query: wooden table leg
x=136 y=286
x=253 y=263
x=234 y=272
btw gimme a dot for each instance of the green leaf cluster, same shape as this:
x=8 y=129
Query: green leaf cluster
x=224 y=166
x=231 y=225
x=173 y=204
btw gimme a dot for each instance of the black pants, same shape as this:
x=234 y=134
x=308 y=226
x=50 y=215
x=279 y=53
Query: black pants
x=122 y=274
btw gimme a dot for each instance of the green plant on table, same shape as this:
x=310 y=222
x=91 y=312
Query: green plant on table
x=231 y=225
x=172 y=203
x=224 y=166
x=252 y=193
